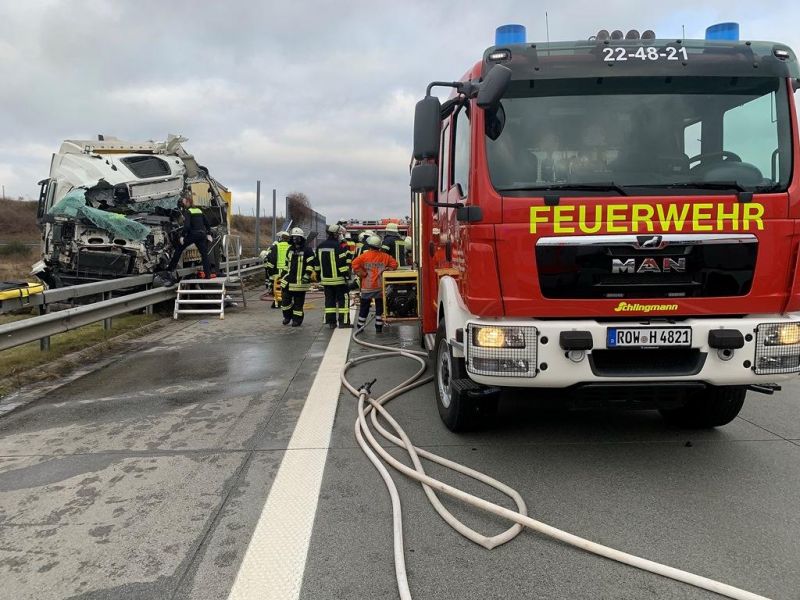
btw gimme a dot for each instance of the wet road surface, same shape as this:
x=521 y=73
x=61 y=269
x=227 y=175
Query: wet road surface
x=146 y=478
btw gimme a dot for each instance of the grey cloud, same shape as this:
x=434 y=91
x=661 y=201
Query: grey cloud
x=311 y=96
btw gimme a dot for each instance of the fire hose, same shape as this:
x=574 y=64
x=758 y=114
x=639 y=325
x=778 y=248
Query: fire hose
x=371 y=407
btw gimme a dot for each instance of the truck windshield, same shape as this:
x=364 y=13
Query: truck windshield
x=652 y=133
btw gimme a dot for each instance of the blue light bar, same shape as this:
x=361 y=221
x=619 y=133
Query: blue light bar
x=723 y=31
x=509 y=34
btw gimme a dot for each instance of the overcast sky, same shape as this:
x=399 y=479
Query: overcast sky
x=309 y=96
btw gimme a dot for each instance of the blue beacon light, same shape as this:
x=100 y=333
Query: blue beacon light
x=723 y=32
x=509 y=34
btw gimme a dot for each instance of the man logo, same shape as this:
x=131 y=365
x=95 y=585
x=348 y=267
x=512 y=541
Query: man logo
x=648 y=265
x=649 y=242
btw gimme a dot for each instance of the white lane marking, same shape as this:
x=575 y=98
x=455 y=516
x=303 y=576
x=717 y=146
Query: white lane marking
x=273 y=565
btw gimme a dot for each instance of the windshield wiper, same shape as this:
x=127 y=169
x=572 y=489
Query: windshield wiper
x=607 y=186
x=700 y=185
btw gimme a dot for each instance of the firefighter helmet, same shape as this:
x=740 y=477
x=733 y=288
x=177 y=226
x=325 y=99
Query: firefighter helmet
x=374 y=241
x=282 y=234
x=333 y=228
x=392 y=228
x=297 y=232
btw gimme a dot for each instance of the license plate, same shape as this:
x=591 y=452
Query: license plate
x=649 y=337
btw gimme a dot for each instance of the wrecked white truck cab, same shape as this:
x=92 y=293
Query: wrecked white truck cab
x=110 y=208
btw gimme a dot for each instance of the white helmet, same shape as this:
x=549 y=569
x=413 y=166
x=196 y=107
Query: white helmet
x=362 y=236
x=392 y=228
x=334 y=228
x=297 y=232
x=369 y=232
x=282 y=234
x=374 y=241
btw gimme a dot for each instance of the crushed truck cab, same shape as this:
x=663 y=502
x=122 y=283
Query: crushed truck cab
x=619 y=218
x=109 y=208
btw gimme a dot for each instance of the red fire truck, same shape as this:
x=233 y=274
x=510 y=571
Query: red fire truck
x=618 y=218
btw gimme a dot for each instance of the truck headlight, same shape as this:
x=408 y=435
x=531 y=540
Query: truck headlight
x=504 y=350
x=789 y=334
x=777 y=348
x=498 y=337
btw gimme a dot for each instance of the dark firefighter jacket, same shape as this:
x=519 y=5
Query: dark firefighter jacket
x=194 y=221
x=300 y=265
x=276 y=258
x=396 y=247
x=334 y=261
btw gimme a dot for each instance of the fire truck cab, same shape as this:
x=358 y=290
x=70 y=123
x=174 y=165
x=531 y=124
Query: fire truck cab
x=617 y=218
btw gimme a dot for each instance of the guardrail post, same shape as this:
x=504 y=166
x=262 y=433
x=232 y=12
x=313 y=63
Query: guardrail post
x=44 y=343
x=107 y=322
x=148 y=310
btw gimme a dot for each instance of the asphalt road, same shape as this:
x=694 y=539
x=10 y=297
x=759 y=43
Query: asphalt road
x=146 y=478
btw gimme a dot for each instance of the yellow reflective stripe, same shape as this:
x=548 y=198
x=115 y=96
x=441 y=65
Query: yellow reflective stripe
x=195 y=211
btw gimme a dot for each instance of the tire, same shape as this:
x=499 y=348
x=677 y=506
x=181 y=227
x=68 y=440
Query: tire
x=457 y=409
x=712 y=407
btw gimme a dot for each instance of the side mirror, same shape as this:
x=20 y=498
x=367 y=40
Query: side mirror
x=424 y=178
x=427 y=127
x=493 y=86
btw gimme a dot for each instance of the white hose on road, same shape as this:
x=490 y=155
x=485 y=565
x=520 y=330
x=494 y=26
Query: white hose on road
x=372 y=407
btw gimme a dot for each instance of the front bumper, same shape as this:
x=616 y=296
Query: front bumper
x=551 y=365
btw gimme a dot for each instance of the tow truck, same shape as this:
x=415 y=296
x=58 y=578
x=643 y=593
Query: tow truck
x=617 y=218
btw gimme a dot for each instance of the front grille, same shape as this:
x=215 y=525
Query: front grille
x=503 y=362
x=638 y=362
x=674 y=266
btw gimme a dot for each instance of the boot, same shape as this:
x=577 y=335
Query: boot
x=296 y=324
x=287 y=321
x=331 y=325
x=378 y=328
x=345 y=325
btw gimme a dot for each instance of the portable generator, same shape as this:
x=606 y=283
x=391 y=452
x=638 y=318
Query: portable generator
x=401 y=300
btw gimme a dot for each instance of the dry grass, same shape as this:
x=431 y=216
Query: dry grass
x=18 y=265
x=18 y=228
x=18 y=222
x=245 y=227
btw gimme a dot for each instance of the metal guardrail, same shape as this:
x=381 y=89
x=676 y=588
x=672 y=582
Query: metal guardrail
x=83 y=290
x=43 y=326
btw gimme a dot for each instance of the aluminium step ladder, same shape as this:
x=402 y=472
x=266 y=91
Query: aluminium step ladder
x=206 y=295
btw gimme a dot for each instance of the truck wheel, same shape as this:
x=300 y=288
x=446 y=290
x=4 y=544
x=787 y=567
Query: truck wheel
x=458 y=409
x=712 y=407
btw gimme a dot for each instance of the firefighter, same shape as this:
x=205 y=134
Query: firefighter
x=370 y=267
x=196 y=230
x=275 y=263
x=360 y=244
x=395 y=245
x=296 y=280
x=333 y=266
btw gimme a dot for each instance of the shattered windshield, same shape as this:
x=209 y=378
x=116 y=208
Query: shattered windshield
x=646 y=131
x=74 y=206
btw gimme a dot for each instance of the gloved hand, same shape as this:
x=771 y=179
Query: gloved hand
x=180 y=240
x=209 y=238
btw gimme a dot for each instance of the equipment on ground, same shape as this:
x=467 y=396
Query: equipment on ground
x=10 y=290
x=201 y=296
x=400 y=293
